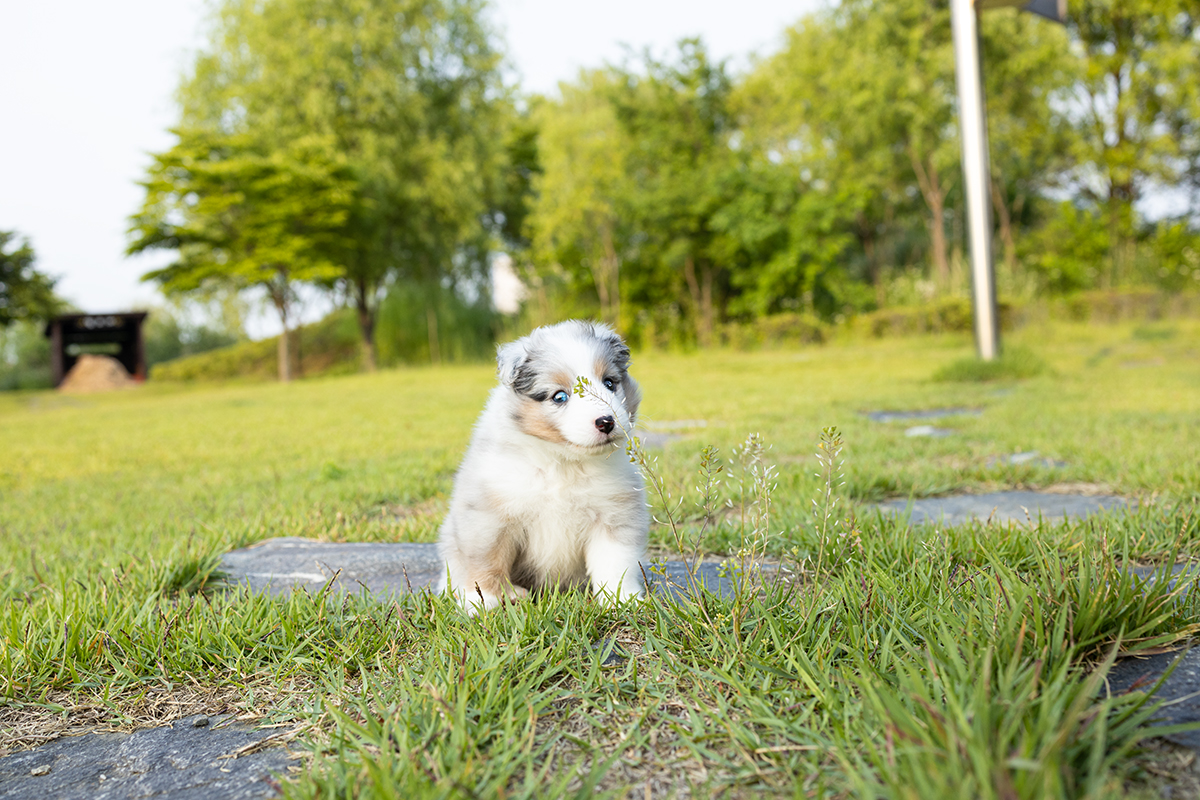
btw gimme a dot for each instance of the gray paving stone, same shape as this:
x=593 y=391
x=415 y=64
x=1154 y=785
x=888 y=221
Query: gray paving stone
x=1181 y=690
x=287 y=563
x=1002 y=507
x=926 y=413
x=1032 y=457
x=657 y=440
x=387 y=569
x=180 y=762
x=1179 y=573
x=673 y=424
x=930 y=431
x=657 y=434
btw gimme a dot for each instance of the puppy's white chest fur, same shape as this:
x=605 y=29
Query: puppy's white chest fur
x=559 y=506
x=545 y=496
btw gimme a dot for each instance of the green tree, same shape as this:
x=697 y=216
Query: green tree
x=576 y=223
x=409 y=94
x=1029 y=74
x=785 y=243
x=860 y=100
x=25 y=293
x=241 y=216
x=1136 y=106
x=678 y=122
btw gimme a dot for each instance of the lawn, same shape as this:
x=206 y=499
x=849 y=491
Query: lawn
x=892 y=662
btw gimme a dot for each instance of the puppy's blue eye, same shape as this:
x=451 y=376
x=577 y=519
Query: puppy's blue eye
x=610 y=384
x=560 y=397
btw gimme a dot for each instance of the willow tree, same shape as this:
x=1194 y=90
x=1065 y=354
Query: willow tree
x=407 y=92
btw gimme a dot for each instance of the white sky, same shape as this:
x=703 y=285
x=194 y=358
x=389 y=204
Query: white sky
x=86 y=92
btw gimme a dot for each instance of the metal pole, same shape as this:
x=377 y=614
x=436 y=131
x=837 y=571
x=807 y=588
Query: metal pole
x=972 y=119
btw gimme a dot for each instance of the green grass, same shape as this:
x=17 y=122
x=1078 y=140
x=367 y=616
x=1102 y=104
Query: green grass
x=1015 y=363
x=895 y=662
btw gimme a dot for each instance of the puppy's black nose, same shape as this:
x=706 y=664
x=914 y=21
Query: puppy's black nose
x=605 y=424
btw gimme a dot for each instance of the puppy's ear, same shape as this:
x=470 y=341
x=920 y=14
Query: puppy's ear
x=633 y=398
x=509 y=358
x=617 y=350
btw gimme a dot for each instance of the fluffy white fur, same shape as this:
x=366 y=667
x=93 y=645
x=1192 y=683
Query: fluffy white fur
x=545 y=496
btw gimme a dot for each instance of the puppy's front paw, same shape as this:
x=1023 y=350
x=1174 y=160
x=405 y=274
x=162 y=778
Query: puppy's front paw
x=615 y=592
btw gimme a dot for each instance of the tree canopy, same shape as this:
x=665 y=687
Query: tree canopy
x=827 y=178
x=399 y=108
x=242 y=216
x=25 y=293
x=371 y=146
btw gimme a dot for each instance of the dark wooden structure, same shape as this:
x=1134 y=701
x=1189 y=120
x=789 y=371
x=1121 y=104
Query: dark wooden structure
x=116 y=335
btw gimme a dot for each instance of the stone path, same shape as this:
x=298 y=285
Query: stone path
x=196 y=758
x=1002 y=507
x=386 y=568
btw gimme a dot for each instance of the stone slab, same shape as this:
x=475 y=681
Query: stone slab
x=657 y=434
x=1178 y=573
x=1032 y=457
x=1002 y=507
x=384 y=569
x=673 y=424
x=657 y=440
x=182 y=761
x=287 y=563
x=926 y=413
x=1181 y=690
x=929 y=431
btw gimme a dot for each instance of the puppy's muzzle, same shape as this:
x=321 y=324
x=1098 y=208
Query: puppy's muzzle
x=605 y=424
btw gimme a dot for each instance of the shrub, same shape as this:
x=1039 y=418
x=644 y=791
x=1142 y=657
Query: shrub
x=776 y=330
x=1069 y=252
x=1175 y=265
x=24 y=357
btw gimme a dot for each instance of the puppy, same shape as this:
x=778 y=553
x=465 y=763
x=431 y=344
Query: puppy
x=545 y=498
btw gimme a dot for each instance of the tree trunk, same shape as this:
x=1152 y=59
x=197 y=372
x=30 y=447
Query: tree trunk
x=689 y=275
x=431 y=322
x=707 y=312
x=298 y=346
x=1120 y=246
x=279 y=297
x=598 y=267
x=1004 y=221
x=366 y=324
x=866 y=239
x=935 y=198
x=611 y=278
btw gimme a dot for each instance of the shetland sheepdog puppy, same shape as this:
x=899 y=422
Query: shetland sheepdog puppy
x=545 y=497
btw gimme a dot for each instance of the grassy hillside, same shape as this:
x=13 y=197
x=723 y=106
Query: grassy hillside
x=331 y=346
